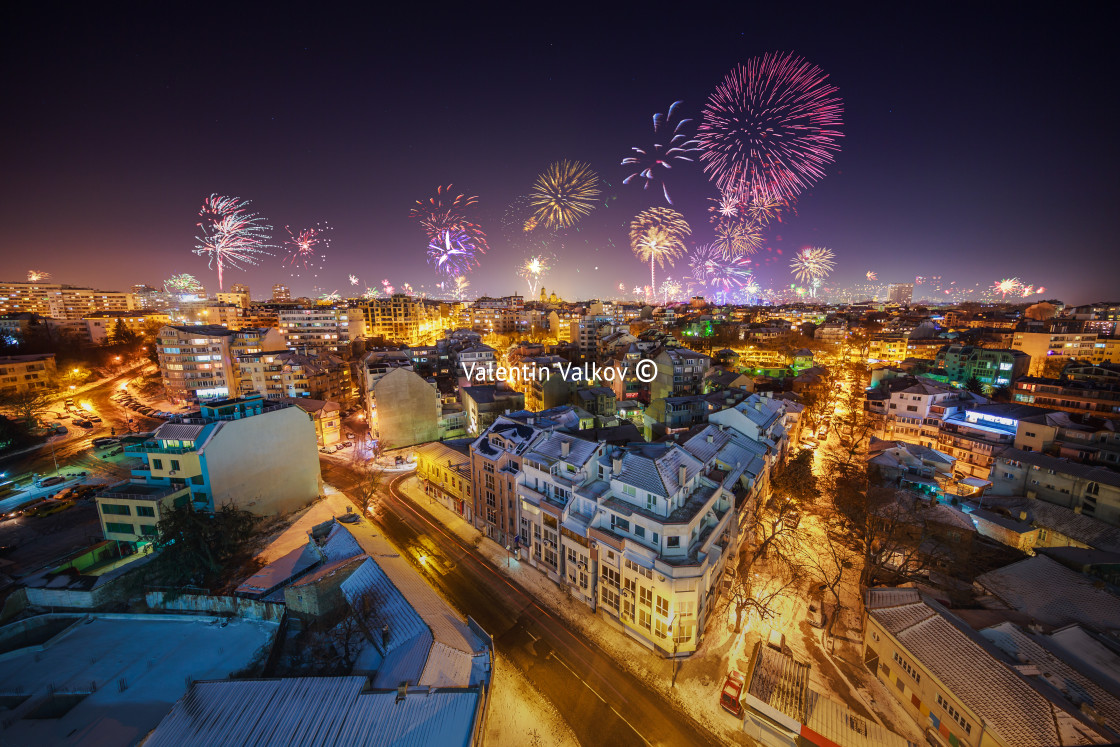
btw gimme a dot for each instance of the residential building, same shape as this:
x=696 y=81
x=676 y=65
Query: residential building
x=496 y=458
x=256 y=455
x=28 y=373
x=762 y=419
x=900 y=293
x=1093 y=491
x=238 y=297
x=324 y=414
x=444 y=469
x=199 y=362
x=278 y=374
x=993 y=368
x=131 y=510
x=324 y=328
x=281 y=293
x=401 y=318
x=1043 y=346
x=1083 y=388
x=957 y=686
x=61 y=301
x=405 y=409
x=680 y=372
x=477 y=363
x=483 y=403
x=102 y=324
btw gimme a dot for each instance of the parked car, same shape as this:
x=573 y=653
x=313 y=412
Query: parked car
x=732 y=691
x=50 y=481
x=94 y=419
x=104 y=441
x=347 y=444
x=815 y=616
x=349 y=517
x=83 y=423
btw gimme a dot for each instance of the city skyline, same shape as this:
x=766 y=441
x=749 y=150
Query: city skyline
x=939 y=173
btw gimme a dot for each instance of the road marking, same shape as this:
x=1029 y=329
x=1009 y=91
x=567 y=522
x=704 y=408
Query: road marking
x=600 y=697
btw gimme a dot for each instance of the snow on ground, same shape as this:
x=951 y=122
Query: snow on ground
x=294 y=535
x=519 y=714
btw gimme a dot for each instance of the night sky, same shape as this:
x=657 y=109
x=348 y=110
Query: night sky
x=975 y=147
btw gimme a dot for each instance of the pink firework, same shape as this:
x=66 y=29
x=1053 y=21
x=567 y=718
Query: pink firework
x=770 y=128
x=230 y=234
x=1006 y=287
x=387 y=287
x=305 y=247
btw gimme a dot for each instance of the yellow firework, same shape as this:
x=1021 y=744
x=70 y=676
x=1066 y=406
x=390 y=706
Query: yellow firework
x=656 y=236
x=736 y=238
x=564 y=193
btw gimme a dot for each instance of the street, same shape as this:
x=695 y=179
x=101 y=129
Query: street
x=602 y=703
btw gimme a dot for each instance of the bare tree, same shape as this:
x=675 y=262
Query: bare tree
x=830 y=560
x=366 y=485
x=27 y=405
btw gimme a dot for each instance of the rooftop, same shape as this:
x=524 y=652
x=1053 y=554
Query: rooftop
x=1053 y=594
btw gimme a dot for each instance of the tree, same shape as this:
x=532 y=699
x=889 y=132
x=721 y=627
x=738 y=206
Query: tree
x=195 y=546
x=1001 y=393
x=122 y=335
x=974 y=385
x=366 y=484
x=1052 y=367
x=830 y=560
x=795 y=482
x=26 y=405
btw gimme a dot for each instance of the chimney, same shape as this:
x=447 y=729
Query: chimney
x=711 y=438
x=565 y=448
x=682 y=475
x=616 y=464
x=1022 y=516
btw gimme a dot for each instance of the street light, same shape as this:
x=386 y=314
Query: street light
x=672 y=635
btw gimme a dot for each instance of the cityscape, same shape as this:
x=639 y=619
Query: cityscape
x=605 y=380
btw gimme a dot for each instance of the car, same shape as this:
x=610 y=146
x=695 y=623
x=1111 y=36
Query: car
x=69 y=401
x=815 y=615
x=83 y=423
x=729 y=696
x=51 y=481
x=104 y=441
x=347 y=444
x=94 y=419
x=327 y=450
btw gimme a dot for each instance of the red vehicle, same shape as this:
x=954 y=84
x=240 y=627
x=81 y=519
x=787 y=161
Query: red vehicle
x=732 y=690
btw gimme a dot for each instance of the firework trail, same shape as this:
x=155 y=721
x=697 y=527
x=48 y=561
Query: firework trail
x=446 y=211
x=230 y=234
x=670 y=144
x=36 y=276
x=452 y=253
x=182 y=284
x=333 y=296
x=728 y=273
x=770 y=128
x=564 y=193
x=670 y=289
x=461 y=286
x=533 y=270
x=810 y=265
x=872 y=275
x=656 y=236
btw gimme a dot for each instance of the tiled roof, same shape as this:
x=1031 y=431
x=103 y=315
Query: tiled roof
x=1084 y=529
x=1062 y=466
x=178 y=432
x=1053 y=594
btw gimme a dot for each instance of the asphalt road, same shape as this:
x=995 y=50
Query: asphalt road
x=601 y=702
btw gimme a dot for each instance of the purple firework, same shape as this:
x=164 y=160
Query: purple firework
x=670 y=144
x=452 y=253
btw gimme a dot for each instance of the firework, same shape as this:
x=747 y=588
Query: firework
x=353 y=279
x=371 y=293
x=670 y=144
x=657 y=235
x=670 y=289
x=1040 y=290
x=452 y=253
x=564 y=193
x=449 y=212
x=751 y=288
x=306 y=246
x=385 y=286
x=406 y=288
x=770 y=127
x=872 y=275
x=622 y=287
x=701 y=260
x=738 y=237
x=532 y=270
x=461 y=286
x=230 y=234
x=1006 y=287
x=728 y=273
x=36 y=276
x=810 y=265
x=332 y=297
x=182 y=284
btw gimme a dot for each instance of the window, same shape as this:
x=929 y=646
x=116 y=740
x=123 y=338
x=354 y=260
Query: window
x=639 y=532
x=115 y=528
x=619 y=524
x=644 y=619
x=149 y=530
x=115 y=509
x=175 y=464
x=917 y=677
x=611 y=576
x=148 y=511
x=629 y=490
x=672 y=541
x=651 y=501
x=610 y=597
x=157 y=464
x=645 y=596
x=660 y=629
x=662 y=606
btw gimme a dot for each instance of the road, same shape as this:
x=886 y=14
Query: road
x=601 y=702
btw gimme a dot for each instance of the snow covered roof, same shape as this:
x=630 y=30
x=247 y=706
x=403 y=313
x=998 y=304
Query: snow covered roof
x=1053 y=594
x=318 y=711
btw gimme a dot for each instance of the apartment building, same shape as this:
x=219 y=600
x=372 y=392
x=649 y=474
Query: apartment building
x=483 y=403
x=281 y=293
x=680 y=372
x=992 y=367
x=956 y=686
x=236 y=296
x=61 y=301
x=444 y=469
x=324 y=414
x=496 y=462
x=404 y=409
x=402 y=319
x=278 y=374
x=476 y=361
x=1083 y=388
x=200 y=361
x=256 y=455
x=1088 y=490
x=102 y=324
x=319 y=328
x=1043 y=346
x=27 y=373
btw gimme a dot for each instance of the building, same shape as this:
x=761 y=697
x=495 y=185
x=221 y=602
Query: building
x=256 y=455
x=402 y=319
x=900 y=293
x=237 y=295
x=276 y=374
x=28 y=373
x=483 y=403
x=319 y=328
x=444 y=469
x=1044 y=346
x=200 y=362
x=61 y=301
x=993 y=368
x=405 y=409
x=680 y=372
x=281 y=293
x=1091 y=491
x=955 y=684
x=324 y=414
x=130 y=511
x=1083 y=388
x=102 y=324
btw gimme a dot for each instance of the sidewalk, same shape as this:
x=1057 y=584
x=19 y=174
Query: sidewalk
x=699 y=678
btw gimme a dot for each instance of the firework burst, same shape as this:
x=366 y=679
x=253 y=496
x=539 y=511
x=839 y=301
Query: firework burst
x=1006 y=287
x=446 y=211
x=37 y=276
x=532 y=270
x=812 y=266
x=670 y=290
x=770 y=128
x=452 y=253
x=730 y=273
x=738 y=237
x=671 y=143
x=353 y=279
x=564 y=193
x=306 y=246
x=231 y=235
x=656 y=236
x=371 y=293
x=872 y=275
x=331 y=297
x=386 y=287
x=182 y=284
